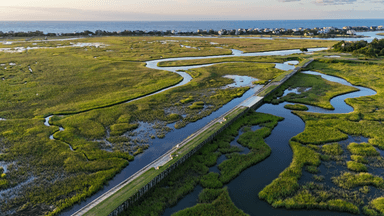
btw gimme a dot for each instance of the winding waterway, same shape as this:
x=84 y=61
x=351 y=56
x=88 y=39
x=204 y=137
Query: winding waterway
x=244 y=189
x=160 y=146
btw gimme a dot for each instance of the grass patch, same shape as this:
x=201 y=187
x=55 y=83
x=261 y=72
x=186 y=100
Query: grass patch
x=287 y=182
x=378 y=204
x=211 y=180
x=357 y=167
x=318 y=178
x=359 y=159
x=312 y=169
x=296 y=107
x=305 y=199
x=319 y=94
x=350 y=180
x=362 y=149
x=197 y=105
x=365 y=190
x=263 y=59
x=332 y=149
x=209 y=195
x=223 y=205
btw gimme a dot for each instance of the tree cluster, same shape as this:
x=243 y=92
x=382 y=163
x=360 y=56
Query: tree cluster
x=372 y=50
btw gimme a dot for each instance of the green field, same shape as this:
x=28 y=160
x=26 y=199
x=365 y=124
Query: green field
x=85 y=88
x=263 y=59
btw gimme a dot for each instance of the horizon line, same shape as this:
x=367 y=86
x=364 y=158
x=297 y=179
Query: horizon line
x=178 y=21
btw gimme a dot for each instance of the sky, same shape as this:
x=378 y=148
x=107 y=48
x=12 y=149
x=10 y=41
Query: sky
x=188 y=10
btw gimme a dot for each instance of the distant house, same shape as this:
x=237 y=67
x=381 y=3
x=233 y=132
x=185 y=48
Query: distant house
x=267 y=30
x=276 y=32
x=308 y=34
x=347 y=27
x=351 y=32
x=380 y=27
x=373 y=27
x=199 y=31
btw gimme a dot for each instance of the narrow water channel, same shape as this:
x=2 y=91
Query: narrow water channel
x=245 y=188
x=160 y=146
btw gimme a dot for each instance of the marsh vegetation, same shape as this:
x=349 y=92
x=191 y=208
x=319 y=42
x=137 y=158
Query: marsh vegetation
x=85 y=89
x=315 y=151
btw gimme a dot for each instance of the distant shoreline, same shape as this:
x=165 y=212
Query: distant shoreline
x=324 y=32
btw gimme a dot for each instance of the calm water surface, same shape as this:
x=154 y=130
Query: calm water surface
x=244 y=189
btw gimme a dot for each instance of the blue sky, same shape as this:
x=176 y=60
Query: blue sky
x=159 y=10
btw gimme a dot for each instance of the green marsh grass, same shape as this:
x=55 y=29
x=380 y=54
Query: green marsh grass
x=262 y=59
x=357 y=167
x=363 y=149
x=211 y=180
x=91 y=91
x=195 y=170
x=319 y=94
x=296 y=107
x=332 y=149
x=349 y=180
x=359 y=159
x=287 y=182
x=222 y=206
x=209 y=195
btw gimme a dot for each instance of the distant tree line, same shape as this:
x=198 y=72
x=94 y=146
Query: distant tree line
x=372 y=50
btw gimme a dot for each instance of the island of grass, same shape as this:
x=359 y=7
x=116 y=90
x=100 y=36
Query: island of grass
x=285 y=191
x=296 y=107
x=195 y=170
x=357 y=167
x=319 y=94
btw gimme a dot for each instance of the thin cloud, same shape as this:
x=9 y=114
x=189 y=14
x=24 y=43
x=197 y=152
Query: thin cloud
x=289 y=0
x=335 y=2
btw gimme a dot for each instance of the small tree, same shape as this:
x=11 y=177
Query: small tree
x=303 y=49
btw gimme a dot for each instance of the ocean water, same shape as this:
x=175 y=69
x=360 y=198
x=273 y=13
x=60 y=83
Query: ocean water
x=79 y=26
